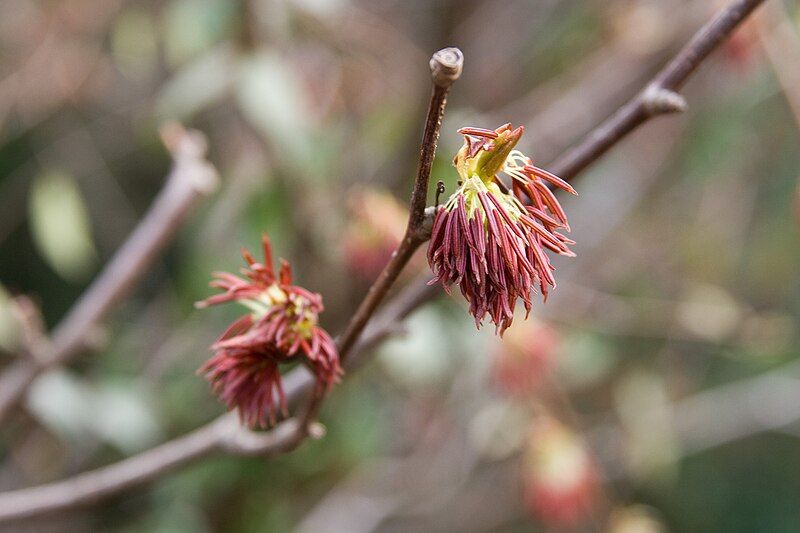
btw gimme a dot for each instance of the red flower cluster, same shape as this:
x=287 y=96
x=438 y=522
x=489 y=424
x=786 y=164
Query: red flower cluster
x=489 y=239
x=281 y=328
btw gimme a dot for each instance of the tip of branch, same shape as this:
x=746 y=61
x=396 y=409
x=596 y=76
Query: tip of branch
x=658 y=101
x=182 y=142
x=188 y=149
x=446 y=65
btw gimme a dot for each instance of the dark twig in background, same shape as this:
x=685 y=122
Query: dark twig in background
x=225 y=433
x=190 y=179
x=660 y=96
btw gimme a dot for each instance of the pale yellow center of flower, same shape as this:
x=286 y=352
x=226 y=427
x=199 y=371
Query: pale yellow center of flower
x=470 y=189
x=490 y=158
x=305 y=318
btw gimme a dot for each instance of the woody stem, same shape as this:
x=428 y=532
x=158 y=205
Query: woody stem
x=446 y=68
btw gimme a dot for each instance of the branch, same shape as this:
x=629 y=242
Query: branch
x=660 y=96
x=781 y=44
x=174 y=454
x=97 y=484
x=224 y=434
x=34 y=336
x=446 y=68
x=191 y=177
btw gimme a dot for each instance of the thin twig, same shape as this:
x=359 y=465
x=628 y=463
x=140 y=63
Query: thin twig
x=34 y=335
x=660 y=96
x=191 y=177
x=171 y=455
x=224 y=434
x=446 y=66
x=781 y=44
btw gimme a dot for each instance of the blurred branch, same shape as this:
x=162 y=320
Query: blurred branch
x=34 y=335
x=224 y=434
x=781 y=43
x=723 y=414
x=660 y=96
x=782 y=46
x=737 y=410
x=191 y=177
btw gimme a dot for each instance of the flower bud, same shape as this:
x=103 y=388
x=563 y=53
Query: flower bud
x=485 y=151
x=490 y=240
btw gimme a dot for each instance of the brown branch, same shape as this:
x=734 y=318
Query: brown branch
x=225 y=433
x=191 y=177
x=222 y=435
x=656 y=99
x=660 y=96
x=34 y=335
x=446 y=68
x=97 y=484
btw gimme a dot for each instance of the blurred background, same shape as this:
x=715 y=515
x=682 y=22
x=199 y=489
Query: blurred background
x=659 y=387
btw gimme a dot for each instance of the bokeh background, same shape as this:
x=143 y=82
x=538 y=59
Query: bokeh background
x=659 y=387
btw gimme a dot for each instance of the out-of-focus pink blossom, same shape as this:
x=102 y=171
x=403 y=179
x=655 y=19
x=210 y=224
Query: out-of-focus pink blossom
x=560 y=479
